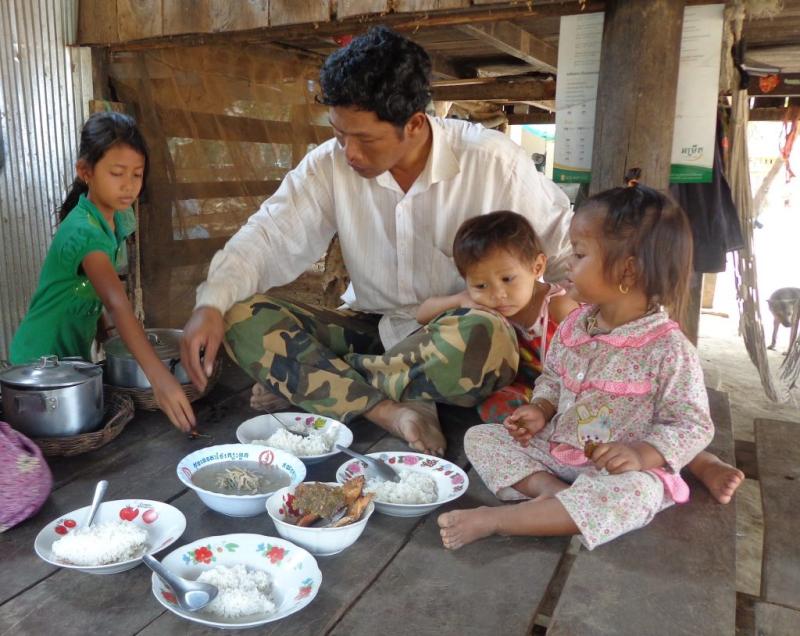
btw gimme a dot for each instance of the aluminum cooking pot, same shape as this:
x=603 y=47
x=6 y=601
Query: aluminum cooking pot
x=52 y=397
x=123 y=370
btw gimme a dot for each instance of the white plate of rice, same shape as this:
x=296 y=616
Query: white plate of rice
x=122 y=531
x=323 y=433
x=426 y=483
x=261 y=579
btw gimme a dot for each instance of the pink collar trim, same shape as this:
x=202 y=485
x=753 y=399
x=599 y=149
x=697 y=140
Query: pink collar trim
x=634 y=334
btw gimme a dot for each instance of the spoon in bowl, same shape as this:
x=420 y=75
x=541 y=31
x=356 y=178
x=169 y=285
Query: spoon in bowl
x=99 y=494
x=190 y=595
x=385 y=472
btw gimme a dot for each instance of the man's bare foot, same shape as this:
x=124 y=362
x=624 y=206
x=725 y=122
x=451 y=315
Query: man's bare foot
x=263 y=399
x=460 y=527
x=720 y=478
x=415 y=422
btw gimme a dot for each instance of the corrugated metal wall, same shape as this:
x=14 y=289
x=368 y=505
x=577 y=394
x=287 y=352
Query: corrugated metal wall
x=45 y=86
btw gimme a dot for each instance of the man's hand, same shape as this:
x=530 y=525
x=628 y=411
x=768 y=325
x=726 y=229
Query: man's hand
x=525 y=422
x=203 y=332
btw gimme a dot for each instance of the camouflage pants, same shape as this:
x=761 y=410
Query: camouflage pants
x=332 y=362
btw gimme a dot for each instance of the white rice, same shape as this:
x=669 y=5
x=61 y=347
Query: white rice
x=414 y=487
x=317 y=443
x=101 y=544
x=241 y=591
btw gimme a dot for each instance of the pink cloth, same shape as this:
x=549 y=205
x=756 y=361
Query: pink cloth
x=674 y=485
x=25 y=479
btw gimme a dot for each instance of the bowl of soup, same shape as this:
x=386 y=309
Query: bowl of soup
x=237 y=479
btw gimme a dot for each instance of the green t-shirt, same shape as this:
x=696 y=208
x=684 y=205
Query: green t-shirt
x=63 y=314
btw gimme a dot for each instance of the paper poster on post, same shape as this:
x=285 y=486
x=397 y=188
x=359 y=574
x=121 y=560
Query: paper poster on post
x=696 y=102
x=576 y=96
x=580 y=42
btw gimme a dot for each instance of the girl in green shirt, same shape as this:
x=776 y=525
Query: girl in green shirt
x=79 y=275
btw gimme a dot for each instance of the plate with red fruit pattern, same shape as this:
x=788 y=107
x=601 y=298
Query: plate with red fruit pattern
x=164 y=524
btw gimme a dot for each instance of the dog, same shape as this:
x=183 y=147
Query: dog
x=784 y=304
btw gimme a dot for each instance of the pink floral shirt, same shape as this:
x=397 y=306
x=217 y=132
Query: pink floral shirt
x=641 y=382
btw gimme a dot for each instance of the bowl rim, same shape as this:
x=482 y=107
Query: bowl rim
x=181 y=523
x=434 y=504
x=190 y=484
x=331 y=453
x=364 y=518
x=156 y=584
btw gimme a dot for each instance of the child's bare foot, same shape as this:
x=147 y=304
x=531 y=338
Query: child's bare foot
x=720 y=478
x=415 y=422
x=460 y=527
x=540 y=485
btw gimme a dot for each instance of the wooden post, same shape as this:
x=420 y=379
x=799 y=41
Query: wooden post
x=636 y=91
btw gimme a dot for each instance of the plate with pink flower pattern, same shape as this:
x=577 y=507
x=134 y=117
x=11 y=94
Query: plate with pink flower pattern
x=426 y=483
x=292 y=579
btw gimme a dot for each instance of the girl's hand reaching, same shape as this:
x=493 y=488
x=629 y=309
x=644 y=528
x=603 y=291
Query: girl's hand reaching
x=173 y=401
x=525 y=422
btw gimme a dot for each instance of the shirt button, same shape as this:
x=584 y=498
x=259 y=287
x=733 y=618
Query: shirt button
x=593 y=345
x=580 y=375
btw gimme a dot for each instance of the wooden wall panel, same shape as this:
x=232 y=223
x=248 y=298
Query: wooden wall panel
x=348 y=8
x=299 y=11
x=186 y=17
x=97 y=22
x=239 y=15
x=137 y=19
x=403 y=6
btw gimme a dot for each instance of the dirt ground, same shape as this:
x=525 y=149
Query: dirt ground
x=728 y=368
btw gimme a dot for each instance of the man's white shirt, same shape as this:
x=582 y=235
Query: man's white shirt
x=397 y=246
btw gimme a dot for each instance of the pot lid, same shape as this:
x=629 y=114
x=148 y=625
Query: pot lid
x=50 y=373
x=165 y=342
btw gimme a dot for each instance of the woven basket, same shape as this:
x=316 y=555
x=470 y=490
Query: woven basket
x=145 y=399
x=118 y=412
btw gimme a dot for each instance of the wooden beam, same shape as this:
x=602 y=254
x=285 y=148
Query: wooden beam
x=494 y=89
x=411 y=22
x=514 y=41
x=783 y=85
x=636 y=102
x=539 y=117
x=767 y=114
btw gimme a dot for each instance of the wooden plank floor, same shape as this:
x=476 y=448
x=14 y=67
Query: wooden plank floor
x=676 y=576
x=396 y=579
x=779 y=471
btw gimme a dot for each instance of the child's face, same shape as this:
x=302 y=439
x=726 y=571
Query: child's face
x=116 y=180
x=501 y=281
x=586 y=279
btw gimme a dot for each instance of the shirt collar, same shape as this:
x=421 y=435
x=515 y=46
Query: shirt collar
x=124 y=220
x=442 y=162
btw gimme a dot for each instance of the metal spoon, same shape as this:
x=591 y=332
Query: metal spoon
x=385 y=472
x=190 y=595
x=99 y=493
x=302 y=431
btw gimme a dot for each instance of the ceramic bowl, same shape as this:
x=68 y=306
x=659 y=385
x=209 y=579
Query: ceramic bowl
x=238 y=505
x=263 y=426
x=163 y=523
x=318 y=541
x=294 y=573
x=451 y=481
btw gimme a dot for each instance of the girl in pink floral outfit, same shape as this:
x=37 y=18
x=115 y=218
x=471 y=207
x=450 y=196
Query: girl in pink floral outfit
x=621 y=404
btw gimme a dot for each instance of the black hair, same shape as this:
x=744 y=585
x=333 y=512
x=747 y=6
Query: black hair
x=380 y=71
x=651 y=227
x=100 y=133
x=486 y=233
